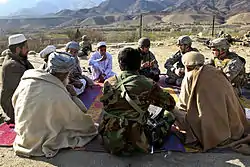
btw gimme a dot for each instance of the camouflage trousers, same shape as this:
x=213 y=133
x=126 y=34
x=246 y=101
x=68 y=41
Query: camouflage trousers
x=121 y=136
x=157 y=129
x=153 y=74
x=173 y=79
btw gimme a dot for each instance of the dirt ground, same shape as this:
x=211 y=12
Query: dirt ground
x=69 y=158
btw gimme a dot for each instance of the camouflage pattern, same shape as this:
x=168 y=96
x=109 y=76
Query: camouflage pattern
x=184 y=40
x=85 y=46
x=220 y=43
x=234 y=68
x=228 y=37
x=246 y=39
x=122 y=127
x=150 y=72
x=174 y=62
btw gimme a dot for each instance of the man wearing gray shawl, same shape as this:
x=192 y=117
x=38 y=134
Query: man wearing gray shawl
x=46 y=117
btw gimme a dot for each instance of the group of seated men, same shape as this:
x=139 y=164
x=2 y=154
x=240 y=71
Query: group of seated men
x=48 y=115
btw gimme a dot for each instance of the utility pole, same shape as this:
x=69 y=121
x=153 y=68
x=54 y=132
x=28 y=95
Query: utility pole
x=141 y=28
x=213 y=25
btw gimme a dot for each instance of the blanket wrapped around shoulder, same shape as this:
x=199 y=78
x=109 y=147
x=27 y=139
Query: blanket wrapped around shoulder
x=214 y=114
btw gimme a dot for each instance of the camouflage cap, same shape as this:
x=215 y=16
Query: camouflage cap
x=193 y=58
x=144 y=42
x=220 y=43
x=184 y=40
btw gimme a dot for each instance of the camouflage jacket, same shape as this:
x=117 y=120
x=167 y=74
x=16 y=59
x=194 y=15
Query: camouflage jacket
x=85 y=46
x=150 y=57
x=174 y=62
x=122 y=127
x=234 y=68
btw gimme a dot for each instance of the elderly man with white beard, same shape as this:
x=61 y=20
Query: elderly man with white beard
x=46 y=117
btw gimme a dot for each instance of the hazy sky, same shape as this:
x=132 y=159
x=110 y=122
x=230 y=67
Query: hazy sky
x=10 y=6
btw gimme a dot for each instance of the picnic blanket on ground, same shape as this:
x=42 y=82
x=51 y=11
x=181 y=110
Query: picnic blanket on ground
x=7 y=135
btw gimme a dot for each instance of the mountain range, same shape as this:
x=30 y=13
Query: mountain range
x=43 y=7
x=103 y=12
x=220 y=7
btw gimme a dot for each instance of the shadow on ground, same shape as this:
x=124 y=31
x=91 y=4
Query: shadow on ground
x=68 y=158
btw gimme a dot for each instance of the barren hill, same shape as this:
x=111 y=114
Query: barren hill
x=117 y=11
x=242 y=18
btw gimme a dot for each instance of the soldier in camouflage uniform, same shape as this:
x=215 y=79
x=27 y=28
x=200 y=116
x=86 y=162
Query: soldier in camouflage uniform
x=149 y=64
x=228 y=37
x=229 y=62
x=246 y=39
x=174 y=65
x=85 y=46
x=126 y=100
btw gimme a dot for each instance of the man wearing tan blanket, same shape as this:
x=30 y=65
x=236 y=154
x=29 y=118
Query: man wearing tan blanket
x=209 y=110
x=47 y=119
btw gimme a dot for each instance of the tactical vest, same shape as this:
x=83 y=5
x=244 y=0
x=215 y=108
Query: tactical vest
x=221 y=64
x=153 y=128
x=241 y=79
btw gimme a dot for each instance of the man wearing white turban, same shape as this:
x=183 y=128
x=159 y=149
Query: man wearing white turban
x=15 y=64
x=44 y=54
x=46 y=117
x=101 y=63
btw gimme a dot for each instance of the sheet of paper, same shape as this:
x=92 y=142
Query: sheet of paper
x=247 y=113
x=154 y=110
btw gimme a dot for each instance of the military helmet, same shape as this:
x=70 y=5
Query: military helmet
x=193 y=58
x=72 y=45
x=220 y=43
x=144 y=42
x=184 y=40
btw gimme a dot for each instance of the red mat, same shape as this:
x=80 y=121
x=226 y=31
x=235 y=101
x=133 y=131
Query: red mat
x=90 y=98
x=7 y=135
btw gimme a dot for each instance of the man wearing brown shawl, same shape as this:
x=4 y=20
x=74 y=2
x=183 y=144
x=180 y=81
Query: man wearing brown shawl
x=209 y=110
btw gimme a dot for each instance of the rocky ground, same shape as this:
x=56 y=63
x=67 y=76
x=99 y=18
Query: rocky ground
x=69 y=158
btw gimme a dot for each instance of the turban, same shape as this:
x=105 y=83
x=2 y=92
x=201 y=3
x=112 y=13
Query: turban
x=72 y=45
x=46 y=51
x=60 y=62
